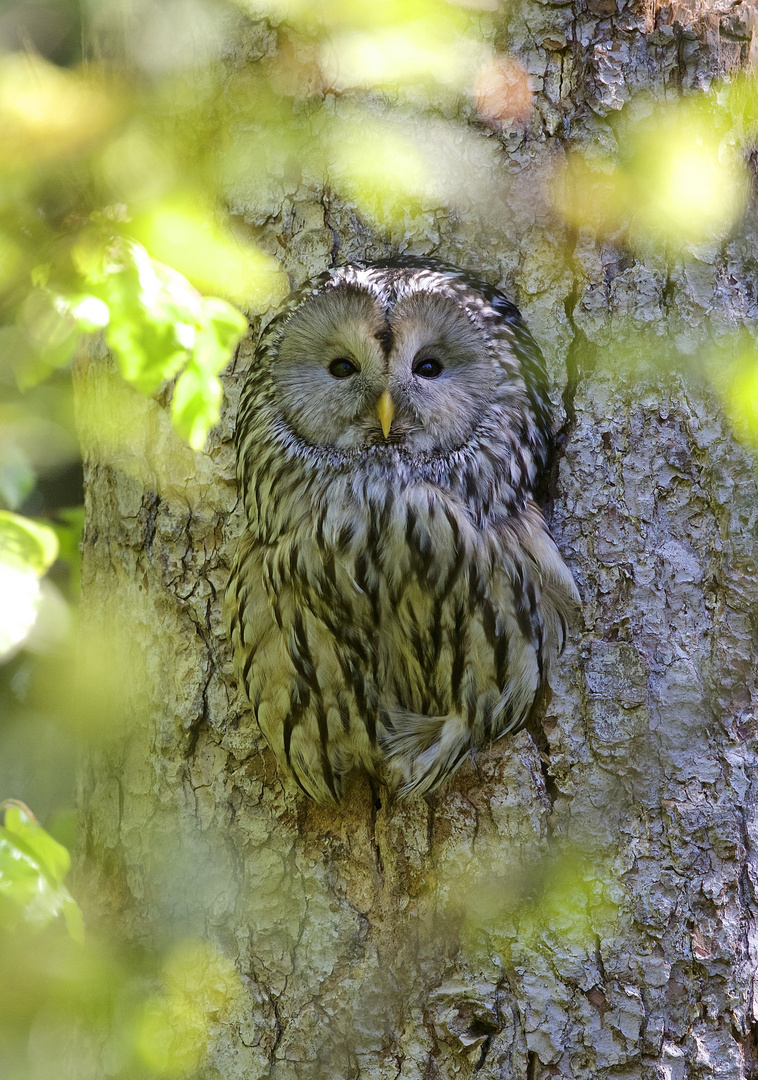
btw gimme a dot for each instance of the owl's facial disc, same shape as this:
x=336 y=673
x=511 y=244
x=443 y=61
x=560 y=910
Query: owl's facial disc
x=440 y=369
x=331 y=370
x=354 y=373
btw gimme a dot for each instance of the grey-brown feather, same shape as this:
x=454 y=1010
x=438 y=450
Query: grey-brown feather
x=394 y=603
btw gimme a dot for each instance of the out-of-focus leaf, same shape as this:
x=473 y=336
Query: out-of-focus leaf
x=195 y=407
x=365 y=14
x=17 y=476
x=734 y=373
x=72 y=916
x=199 y=987
x=503 y=90
x=198 y=392
x=11 y=257
x=679 y=179
x=20 y=590
x=383 y=170
x=156 y=324
x=743 y=399
x=32 y=868
x=91 y=313
x=216 y=261
x=51 y=332
x=225 y=326
x=47 y=113
x=28 y=835
x=27 y=550
x=738 y=101
x=397 y=56
x=69 y=527
x=26 y=544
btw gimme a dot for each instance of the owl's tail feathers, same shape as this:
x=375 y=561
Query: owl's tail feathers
x=422 y=751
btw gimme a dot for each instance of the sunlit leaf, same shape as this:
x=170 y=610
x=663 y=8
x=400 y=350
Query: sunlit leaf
x=29 y=836
x=200 y=986
x=678 y=180
x=195 y=405
x=32 y=868
x=90 y=313
x=224 y=326
x=198 y=392
x=211 y=257
x=734 y=373
x=27 y=544
x=27 y=550
x=20 y=590
x=394 y=56
x=47 y=113
x=158 y=326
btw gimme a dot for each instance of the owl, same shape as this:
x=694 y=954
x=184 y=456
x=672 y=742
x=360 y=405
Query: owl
x=396 y=599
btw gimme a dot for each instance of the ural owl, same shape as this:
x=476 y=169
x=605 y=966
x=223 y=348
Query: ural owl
x=396 y=599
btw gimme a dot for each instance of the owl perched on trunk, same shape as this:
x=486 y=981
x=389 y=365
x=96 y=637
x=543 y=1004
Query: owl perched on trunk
x=396 y=599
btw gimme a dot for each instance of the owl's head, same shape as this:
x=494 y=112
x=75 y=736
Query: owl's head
x=410 y=355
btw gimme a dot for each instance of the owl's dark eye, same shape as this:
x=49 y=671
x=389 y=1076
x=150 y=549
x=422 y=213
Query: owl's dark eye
x=341 y=368
x=428 y=368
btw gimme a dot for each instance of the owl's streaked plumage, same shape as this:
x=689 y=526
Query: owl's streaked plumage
x=396 y=599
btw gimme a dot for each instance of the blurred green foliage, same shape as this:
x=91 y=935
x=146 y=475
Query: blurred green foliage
x=564 y=900
x=27 y=550
x=32 y=868
x=116 y=178
x=681 y=177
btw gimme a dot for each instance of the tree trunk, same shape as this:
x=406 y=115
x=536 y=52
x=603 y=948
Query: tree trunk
x=579 y=902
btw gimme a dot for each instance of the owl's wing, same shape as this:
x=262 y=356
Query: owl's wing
x=515 y=624
x=546 y=599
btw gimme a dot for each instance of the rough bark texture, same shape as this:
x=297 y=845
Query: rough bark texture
x=580 y=901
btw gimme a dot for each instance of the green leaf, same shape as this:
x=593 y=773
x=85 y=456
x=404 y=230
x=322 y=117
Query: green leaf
x=156 y=323
x=27 y=549
x=91 y=313
x=26 y=544
x=142 y=332
x=196 y=404
x=17 y=476
x=229 y=325
x=28 y=835
x=159 y=323
x=32 y=868
x=72 y=915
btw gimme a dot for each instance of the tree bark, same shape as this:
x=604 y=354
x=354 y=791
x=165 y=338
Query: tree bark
x=580 y=901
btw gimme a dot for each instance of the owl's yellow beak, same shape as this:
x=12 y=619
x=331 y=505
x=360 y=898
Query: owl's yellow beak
x=385 y=410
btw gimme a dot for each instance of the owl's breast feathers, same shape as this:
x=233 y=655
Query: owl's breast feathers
x=391 y=625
